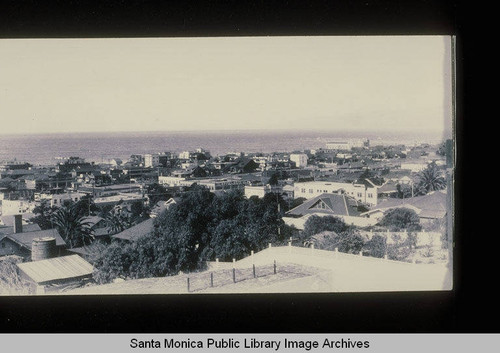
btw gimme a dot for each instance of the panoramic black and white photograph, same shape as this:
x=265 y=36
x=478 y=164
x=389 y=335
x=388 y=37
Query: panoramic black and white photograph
x=220 y=165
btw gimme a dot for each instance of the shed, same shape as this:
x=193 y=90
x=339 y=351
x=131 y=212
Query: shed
x=59 y=270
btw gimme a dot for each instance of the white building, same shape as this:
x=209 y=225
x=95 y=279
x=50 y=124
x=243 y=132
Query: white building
x=59 y=199
x=168 y=180
x=151 y=160
x=414 y=167
x=360 y=192
x=300 y=159
x=12 y=207
x=344 y=145
x=259 y=191
x=185 y=155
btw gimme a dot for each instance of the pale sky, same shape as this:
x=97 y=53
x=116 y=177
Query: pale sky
x=172 y=84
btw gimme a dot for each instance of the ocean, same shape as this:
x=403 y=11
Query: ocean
x=42 y=149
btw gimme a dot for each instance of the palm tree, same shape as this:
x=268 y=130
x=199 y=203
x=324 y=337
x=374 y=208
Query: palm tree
x=116 y=223
x=430 y=179
x=118 y=219
x=71 y=224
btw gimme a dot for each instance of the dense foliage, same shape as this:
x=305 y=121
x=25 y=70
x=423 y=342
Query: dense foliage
x=430 y=179
x=200 y=227
x=317 y=224
x=72 y=226
x=400 y=219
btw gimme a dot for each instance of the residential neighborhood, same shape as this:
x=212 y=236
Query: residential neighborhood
x=75 y=209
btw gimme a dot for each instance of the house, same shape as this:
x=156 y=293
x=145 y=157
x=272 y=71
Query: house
x=430 y=207
x=387 y=190
x=98 y=226
x=45 y=275
x=241 y=165
x=135 y=232
x=365 y=193
x=338 y=205
x=20 y=243
x=330 y=204
x=161 y=206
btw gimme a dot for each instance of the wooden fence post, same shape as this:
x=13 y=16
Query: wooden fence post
x=188 y=284
x=234 y=270
x=274 y=266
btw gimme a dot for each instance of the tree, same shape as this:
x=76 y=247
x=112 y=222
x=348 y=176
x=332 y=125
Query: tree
x=317 y=224
x=44 y=215
x=273 y=180
x=157 y=192
x=71 y=224
x=86 y=205
x=350 y=241
x=404 y=191
x=116 y=222
x=376 y=246
x=200 y=227
x=398 y=219
x=430 y=179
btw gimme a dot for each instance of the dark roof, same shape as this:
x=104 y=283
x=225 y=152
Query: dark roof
x=26 y=229
x=387 y=188
x=137 y=231
x=26 y=239
x=336 y=204
x=93 y=220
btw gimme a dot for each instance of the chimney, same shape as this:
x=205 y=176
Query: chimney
x=18 y=223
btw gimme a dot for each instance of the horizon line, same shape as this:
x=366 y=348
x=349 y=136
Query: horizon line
x=263 y=130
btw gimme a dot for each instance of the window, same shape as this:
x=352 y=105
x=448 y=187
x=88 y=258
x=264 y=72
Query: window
x=370 y=195
x=311 y=191
x=3 y=245
x=360 y=194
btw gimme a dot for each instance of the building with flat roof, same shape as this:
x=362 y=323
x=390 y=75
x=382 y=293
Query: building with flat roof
x=360 y=192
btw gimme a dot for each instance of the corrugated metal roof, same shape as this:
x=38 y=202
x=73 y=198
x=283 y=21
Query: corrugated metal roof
x=59 y=268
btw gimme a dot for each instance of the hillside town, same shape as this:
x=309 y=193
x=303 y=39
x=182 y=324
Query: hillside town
x=60 y=223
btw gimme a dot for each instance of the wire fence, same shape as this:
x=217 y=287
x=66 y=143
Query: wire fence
x=224 y=277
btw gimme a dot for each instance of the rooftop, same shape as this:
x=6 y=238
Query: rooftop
x=59 y=268
x=137 y=231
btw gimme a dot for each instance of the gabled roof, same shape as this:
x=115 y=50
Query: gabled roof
x=59 y=268
x=388 y=187
x=432 y=205
x=137 y=231
x=335 y=204
x=93 y=220
x=25 y=239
